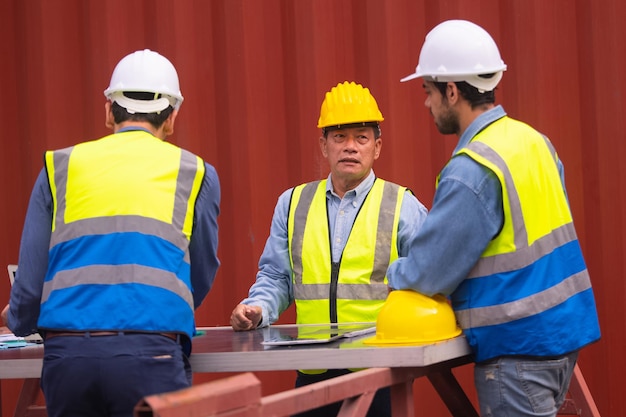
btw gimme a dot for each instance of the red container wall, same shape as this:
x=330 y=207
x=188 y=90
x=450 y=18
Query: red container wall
x=254 y=73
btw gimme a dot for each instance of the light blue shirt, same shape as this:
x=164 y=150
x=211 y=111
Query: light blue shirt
x=272 y=290
x=466 y=215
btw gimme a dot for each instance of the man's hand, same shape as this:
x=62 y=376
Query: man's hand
x=4 y=315
x=245 y=317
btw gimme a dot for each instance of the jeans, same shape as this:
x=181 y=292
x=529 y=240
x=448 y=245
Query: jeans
x=380 y=406
x=511 y=386
x=105 y=376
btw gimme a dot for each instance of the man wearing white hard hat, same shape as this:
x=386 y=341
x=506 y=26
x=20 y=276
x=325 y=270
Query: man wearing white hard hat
x=119 y=248
x=499 y=239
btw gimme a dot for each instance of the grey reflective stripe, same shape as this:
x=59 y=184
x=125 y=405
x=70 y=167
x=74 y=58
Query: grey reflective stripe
x=385 y=232
x=61 y=159
x=525 y=256
x=344 y=291
x=525 y=307
x=184 y=186
x=109 y=274
x=386 y=217
x=105 y=225
x=300 y=216
x=517 y=219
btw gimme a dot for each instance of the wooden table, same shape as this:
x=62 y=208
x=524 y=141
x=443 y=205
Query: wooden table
x=220 y=349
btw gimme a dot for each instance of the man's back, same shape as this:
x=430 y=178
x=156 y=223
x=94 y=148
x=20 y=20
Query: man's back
x=120 y=236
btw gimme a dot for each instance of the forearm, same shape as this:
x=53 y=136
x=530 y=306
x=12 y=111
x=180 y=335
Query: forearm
x=272 y=290
x=463 y=220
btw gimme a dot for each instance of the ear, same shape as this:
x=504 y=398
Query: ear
x=109 y=120
x=379 y=146
x=452 y=93
x=323 y=146
x=168 y=125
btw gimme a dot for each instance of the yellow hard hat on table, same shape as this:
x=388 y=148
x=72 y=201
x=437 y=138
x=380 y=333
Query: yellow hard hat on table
x=408 y=317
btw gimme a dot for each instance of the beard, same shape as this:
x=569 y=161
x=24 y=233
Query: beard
x=448 y=122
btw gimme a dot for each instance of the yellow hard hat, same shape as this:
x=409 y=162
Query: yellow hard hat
x=408 y=317
x=348 y=103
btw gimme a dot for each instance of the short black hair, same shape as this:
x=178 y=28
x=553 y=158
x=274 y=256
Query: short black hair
x=469 y=93
x=120 y=114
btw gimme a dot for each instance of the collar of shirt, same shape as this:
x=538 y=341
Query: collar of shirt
x=342 y=212
x=357 y=193
x=482 y=121
x=133 y=128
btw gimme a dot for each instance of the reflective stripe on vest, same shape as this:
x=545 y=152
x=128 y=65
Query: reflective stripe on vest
x=105 y=240
x=532 y=275
x=361 y=287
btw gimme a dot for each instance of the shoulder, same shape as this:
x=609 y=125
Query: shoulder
x=394 y=186
x=283 y=205
x=464 y=171
x=209 y=170
x=210 y=180
x=388 y=183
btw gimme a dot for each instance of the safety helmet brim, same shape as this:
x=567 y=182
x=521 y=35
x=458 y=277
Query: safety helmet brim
x=480 y=81
x=145 y=71
x=141 y=106
x=459 y=50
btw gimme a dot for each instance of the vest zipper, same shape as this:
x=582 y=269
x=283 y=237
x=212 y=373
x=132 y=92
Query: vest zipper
x=332 y=296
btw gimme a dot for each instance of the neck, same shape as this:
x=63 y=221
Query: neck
x=467 y=116
x=145 y=125
x=342 y=185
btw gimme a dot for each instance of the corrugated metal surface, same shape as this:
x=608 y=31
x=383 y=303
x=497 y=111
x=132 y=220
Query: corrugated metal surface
x=254 y=72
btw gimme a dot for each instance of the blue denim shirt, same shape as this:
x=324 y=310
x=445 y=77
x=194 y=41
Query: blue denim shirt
x=466 y=215
x=272 y=290
x=33 y=259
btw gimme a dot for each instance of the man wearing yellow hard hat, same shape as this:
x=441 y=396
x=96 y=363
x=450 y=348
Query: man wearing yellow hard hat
x=499 y=238
x=332 y=240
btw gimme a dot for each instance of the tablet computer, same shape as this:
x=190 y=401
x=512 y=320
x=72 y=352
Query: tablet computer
x=314 y=333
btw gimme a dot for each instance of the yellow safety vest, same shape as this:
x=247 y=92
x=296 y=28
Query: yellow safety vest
x=355 y=289
x=121 y=228
x=530 y=293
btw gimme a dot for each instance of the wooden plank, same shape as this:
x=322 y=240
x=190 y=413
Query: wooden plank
x=452 y=394
x=27 y=401
x=581 y=395
x=323 y=393
x=350 y=386
x=402 y=399
x=238 y=395
x=357 y=406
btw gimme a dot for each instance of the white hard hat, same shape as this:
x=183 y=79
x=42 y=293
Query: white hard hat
x=458 y=50
x=145 y=71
